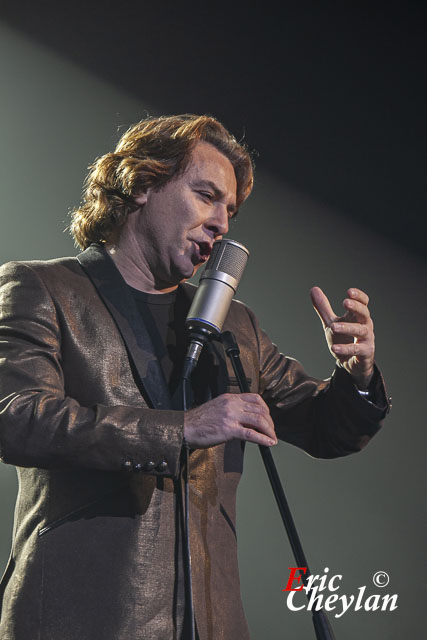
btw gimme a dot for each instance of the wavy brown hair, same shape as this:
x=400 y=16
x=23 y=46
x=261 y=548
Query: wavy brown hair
x=148 y=155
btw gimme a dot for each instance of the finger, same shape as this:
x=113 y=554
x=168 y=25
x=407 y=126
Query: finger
x=361 y=349
x=253 y=402
x=247 y=397
x=244 y=407
x=259 y=422
x=253 y=436
x=257 y=416
x=357 y=308
x=358 y=294
x=234 y=401
x=356 y=330
x=257 y=409
x=322 y=306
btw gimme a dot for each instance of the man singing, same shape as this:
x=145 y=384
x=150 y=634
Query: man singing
x=91 y=354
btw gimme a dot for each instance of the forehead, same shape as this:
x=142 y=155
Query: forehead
x=207 y=163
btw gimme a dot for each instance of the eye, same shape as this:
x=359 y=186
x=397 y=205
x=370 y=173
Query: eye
x=207 y=195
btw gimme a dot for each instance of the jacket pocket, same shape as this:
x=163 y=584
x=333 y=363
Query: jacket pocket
x=71 y=515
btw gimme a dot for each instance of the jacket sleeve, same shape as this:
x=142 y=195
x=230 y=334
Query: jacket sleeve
x=39 y=425
x=326 y=418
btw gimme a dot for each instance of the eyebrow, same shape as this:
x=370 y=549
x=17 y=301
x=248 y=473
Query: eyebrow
x=217 y=192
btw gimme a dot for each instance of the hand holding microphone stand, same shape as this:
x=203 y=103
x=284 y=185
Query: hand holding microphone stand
x=205 y=320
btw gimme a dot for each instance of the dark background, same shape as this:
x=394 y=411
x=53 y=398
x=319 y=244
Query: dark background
x=331 y=95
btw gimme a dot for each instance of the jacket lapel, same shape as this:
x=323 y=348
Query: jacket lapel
x=119 y=301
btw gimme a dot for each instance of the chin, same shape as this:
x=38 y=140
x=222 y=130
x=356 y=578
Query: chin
x=186 y=272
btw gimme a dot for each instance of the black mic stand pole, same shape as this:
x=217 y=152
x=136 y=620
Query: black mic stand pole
x=198 y=339
x=197 y=342
x=321 y=624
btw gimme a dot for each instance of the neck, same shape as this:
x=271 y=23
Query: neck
x=130 y=260
x=135 y=272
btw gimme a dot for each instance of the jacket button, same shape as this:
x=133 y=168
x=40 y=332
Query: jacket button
x=149 y=466
x=127 y=465
x=162 y=466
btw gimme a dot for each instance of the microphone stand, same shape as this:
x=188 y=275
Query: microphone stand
x=197 y=339
x=190 y=362
x=321 y=624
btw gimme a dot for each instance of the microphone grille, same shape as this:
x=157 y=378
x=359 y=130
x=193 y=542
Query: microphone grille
x=229 y=257
x=212 y=258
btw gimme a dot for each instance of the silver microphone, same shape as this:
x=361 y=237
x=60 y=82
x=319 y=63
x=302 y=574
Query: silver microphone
x=217 y=286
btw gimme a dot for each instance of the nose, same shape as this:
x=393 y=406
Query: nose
x=218 y=222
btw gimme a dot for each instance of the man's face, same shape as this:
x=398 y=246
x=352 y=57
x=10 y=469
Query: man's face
x=177 y=225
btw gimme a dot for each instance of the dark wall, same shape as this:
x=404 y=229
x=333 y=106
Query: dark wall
x=332 y=95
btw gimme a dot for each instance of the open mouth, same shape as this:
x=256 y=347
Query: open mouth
x=205 y=250
x=202 y=251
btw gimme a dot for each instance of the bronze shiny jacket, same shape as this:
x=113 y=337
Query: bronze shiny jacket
x=96 y=549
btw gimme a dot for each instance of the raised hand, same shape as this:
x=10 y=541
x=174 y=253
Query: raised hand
x=350 y=337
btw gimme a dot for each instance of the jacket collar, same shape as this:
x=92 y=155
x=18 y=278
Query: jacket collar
x=120 y=303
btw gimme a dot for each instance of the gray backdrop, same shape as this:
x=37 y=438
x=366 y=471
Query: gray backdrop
x=356 y=515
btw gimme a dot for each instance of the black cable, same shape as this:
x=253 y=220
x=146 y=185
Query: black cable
x=187 y=546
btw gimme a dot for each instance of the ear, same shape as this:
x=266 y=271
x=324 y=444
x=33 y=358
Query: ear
x=141 y=198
